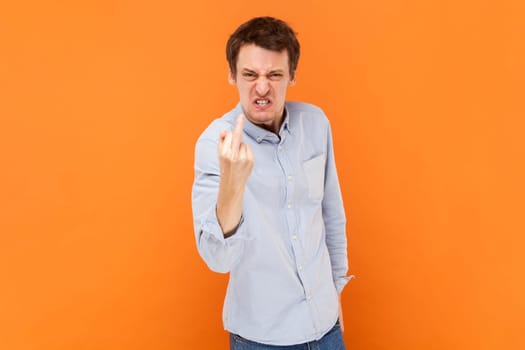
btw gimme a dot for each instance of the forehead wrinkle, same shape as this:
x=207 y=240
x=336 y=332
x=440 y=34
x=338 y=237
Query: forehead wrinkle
x=263 y=71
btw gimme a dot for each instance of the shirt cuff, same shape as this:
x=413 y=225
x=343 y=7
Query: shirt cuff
x=340 y=283
x=211 y=227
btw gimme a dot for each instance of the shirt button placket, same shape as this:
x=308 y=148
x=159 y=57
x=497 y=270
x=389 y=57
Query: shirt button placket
x=288 y=171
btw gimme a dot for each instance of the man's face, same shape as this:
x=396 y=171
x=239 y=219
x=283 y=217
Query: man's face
x=262 y=79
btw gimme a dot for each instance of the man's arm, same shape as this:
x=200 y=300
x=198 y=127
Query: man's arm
x=335 y=225
x=335 y=220
x=217 y=198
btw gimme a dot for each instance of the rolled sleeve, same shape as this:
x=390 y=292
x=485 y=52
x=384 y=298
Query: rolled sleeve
x=212 y=229
x=220 y=253
x=341 y=282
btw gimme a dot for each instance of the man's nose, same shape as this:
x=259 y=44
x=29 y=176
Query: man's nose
x=262 y=87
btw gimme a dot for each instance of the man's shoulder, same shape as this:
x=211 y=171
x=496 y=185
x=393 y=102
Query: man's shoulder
x=213 y=130
x=305 y=110
x=296 y=106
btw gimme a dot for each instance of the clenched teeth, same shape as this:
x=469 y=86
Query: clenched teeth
x=262 y=102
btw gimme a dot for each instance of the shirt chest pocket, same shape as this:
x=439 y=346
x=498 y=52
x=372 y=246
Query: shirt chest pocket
x=314 y=169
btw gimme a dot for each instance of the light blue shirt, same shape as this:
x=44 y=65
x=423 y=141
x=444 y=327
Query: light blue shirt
x=288 y=258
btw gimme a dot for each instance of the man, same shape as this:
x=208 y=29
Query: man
x=267 y=205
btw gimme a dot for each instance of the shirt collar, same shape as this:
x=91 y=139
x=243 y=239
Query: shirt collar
x=259 y=134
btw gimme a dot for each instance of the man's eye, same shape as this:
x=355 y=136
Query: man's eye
x=276 y=76
x=248 y=75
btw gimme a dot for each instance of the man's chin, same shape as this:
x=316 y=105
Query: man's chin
x=261 y=118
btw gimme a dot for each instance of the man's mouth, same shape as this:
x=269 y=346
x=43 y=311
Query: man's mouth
x=261 y=102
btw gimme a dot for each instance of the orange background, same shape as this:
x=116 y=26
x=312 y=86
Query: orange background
x=101 y=103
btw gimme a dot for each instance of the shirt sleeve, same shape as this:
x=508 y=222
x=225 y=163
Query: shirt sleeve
x=220 y=253
x=335 y=220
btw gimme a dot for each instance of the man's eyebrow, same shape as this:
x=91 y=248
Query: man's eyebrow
x=277 y=70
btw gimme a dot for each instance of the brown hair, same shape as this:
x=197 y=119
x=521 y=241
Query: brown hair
x=266 y=32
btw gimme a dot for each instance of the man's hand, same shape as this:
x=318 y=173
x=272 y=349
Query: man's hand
x=236 y=164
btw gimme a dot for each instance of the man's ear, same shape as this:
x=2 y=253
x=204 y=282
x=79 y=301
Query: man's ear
x=231 y=78
x=293 y=80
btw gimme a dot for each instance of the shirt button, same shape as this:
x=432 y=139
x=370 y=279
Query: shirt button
x=259 y=139
x=294 y=237
x=279 y=148
x=289 y=205
x=308 y=297
x=289 y=178
x=300 y=267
